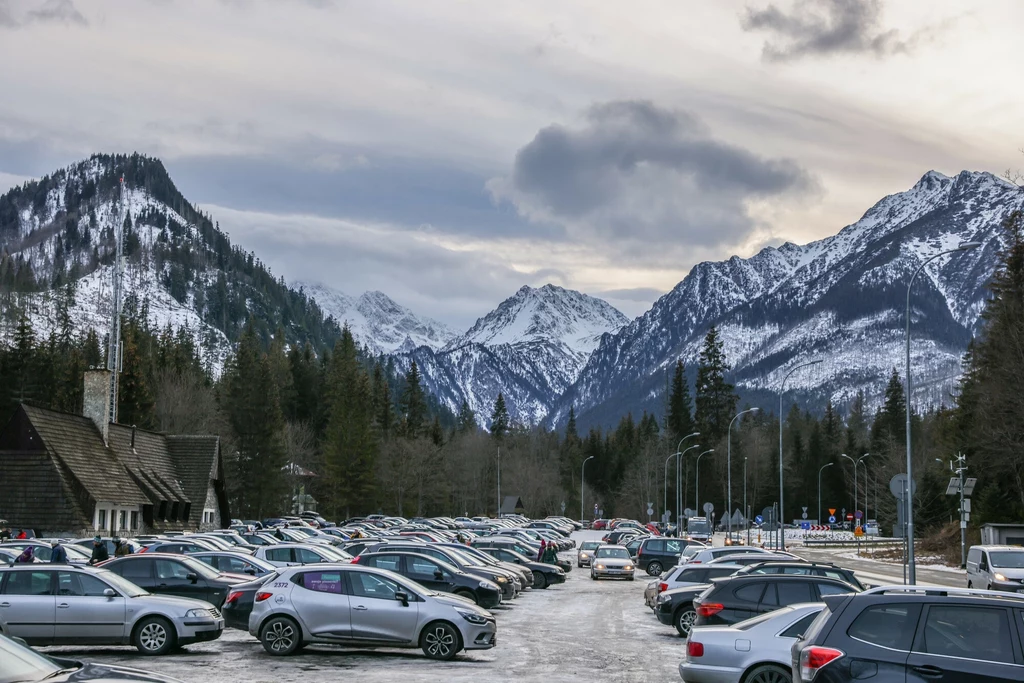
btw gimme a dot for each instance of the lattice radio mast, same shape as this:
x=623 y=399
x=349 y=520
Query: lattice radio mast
x=114 y=351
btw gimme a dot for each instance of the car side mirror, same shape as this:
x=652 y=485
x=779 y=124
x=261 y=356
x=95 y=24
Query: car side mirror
x=438 y=574
x=192 y=576
x=109 y=592
x=402 y=597
x=250 y=571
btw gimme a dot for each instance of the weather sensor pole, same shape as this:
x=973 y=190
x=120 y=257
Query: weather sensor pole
x=114 y=350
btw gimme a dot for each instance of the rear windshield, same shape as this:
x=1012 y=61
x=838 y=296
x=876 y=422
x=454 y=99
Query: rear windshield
x=761 y=618
x=591 y=545
x=812 y=631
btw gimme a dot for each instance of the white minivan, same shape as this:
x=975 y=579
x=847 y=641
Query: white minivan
x=996 y=567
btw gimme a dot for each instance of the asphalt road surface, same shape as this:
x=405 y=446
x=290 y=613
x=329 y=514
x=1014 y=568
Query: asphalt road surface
x=581 y=630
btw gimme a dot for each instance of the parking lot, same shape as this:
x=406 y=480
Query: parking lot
x=582 y=629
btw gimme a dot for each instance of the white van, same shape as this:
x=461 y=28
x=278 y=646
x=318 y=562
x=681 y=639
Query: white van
x=996 y=567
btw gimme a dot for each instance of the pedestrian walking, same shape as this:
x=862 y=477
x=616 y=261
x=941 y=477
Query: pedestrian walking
x=540 y=554
x=5 y=533
x=58 y=555
x=26 y=556
x=99 y=551
x=550 y=554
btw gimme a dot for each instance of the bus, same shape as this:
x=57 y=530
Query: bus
x=698 y=529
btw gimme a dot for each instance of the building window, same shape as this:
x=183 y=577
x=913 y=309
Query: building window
x=207 y=516
x=102 y=519
x=135 y=520
x=122 y=520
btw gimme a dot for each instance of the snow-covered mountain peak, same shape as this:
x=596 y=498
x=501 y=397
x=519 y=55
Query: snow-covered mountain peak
x=546 y=314
x=377 y=321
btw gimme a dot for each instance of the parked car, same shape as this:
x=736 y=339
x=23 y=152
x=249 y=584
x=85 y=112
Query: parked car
x=996 y=567
x=612 y=561
x=182 y=546
x=674 y=607
x=685 y=577
x=619 y=536
x=232 y=562
x=705 y=555
x=657 y=554
x=42 y=550
x=753 y=651
x=742 y=596
x=754 y=558
x=73 y=605
x=436 y=575
x=586 y=553
x=238 y=604
x=24 y=665
x=291 y=554
x=544 y=574
x=599 y=524
x=913 y=633
x=359 y=605
x=507 y=581
x=483 y=559
x=804 y=569
x=178 y=575
x=86 y=545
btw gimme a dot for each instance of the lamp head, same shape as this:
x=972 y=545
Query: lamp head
x=967 y=246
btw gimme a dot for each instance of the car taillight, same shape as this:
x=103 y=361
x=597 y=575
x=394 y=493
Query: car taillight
x=143 y=549
x=232 y=596
x=693 y=562
x=662 y=587
x=709 y=609
x=262 y=595
x=694 y=649
x=813 y=658
x=355 y=560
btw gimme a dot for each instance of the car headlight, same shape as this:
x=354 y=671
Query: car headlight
x=628 y=567
x=1000 y=577
x=199 y=614
x=489 y=585
x=663 y=597
x=502 y=579
x=472 y=617
x=600 y=566
x=584 y=555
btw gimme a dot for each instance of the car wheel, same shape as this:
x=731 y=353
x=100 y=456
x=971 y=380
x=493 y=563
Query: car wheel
x=768 y=673
x=539 y=580
x=654 y=569
x=440 y=640
x=684 y=621
x=154 y=636
x=468 y=594
x=280 y=636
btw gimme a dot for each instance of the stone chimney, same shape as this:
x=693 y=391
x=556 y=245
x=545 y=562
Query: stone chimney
x=96 y=400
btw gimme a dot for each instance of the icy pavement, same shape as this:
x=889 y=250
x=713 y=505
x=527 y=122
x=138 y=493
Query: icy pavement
x=583 y=629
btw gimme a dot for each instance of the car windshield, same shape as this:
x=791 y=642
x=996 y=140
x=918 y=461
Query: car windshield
x=76 y=552
x=121 y=585
x=201 y=568
x=698 y=526
x=1006 y=559
x=591 y=545
x=18 y=663
x=620 y=553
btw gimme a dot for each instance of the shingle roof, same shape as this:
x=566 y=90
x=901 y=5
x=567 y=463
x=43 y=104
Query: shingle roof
x=44 y=500
x=196 y=459
x=150 y=462
x=77 y=444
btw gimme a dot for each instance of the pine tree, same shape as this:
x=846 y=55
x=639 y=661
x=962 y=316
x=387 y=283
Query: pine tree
x=466 y=421
x=679 y=420
x=413 y=404
x=715 y=403
x=499 y=418
x=135 y=402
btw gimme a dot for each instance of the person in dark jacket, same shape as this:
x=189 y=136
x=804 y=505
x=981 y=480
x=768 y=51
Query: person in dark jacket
x=550 y=554
x=5 y=533
x=121 y=548
x=26 y=556
x=99 y=551
x=58 y=555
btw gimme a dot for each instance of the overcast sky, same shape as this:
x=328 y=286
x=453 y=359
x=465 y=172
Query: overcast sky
x=448 y=153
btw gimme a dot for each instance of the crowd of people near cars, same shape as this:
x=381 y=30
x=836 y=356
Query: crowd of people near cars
x=289 y=581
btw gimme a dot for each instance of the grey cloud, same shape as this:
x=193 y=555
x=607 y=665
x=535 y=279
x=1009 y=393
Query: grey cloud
x=824 y=27
x=643 y=294
x=50 y=11
x=638 y=173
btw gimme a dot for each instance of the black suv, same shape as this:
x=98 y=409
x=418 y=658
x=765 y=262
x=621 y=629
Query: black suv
x=735 y=598
x=914 y=634
x=436 y=575
x=804 y=569
x=657 y=553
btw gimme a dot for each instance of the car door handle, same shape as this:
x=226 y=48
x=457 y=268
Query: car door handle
x=927 y=671
x=361 y=608
x=63 y=605
x=5 y=604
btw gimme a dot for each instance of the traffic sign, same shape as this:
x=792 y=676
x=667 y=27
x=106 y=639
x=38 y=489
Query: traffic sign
x=831 y=519
x=709 y=508
x=759 y=519
x=849 y=517
x=858 y=514
x=806 y=526
x=650 y=511
x=897 y=483
x=803 y=515
x=858 y=531
x=831 y=511
x=563 y=508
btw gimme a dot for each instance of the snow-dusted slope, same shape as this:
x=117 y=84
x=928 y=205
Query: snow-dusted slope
x=841 y=299
x=530 y=348
x=377 y=322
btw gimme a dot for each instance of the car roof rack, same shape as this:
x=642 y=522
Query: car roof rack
x=942 y=591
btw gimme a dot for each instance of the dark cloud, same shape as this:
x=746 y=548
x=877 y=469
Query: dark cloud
x=824 y=27
x=636 y=172
x=50 y=11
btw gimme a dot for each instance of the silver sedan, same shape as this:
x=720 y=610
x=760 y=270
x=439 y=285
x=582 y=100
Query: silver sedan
x=586 y=553
x=611 y=561
x=754 y=651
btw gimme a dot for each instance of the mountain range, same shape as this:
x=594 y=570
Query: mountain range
x=547 y=349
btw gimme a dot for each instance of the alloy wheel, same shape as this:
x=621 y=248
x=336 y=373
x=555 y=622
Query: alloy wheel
x=153 y=636
x=440 y=642
x=280 y=636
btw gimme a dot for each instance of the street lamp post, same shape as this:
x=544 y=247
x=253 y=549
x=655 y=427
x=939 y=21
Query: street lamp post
x=696 y=486
x=819 y=488
x=664 y=505
x=912 y=567
x=728 y=467
x=499 y=482
x=679 y=477
x=583 y=469
x=746 y=512
x=782 y=514
x=855 y=481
